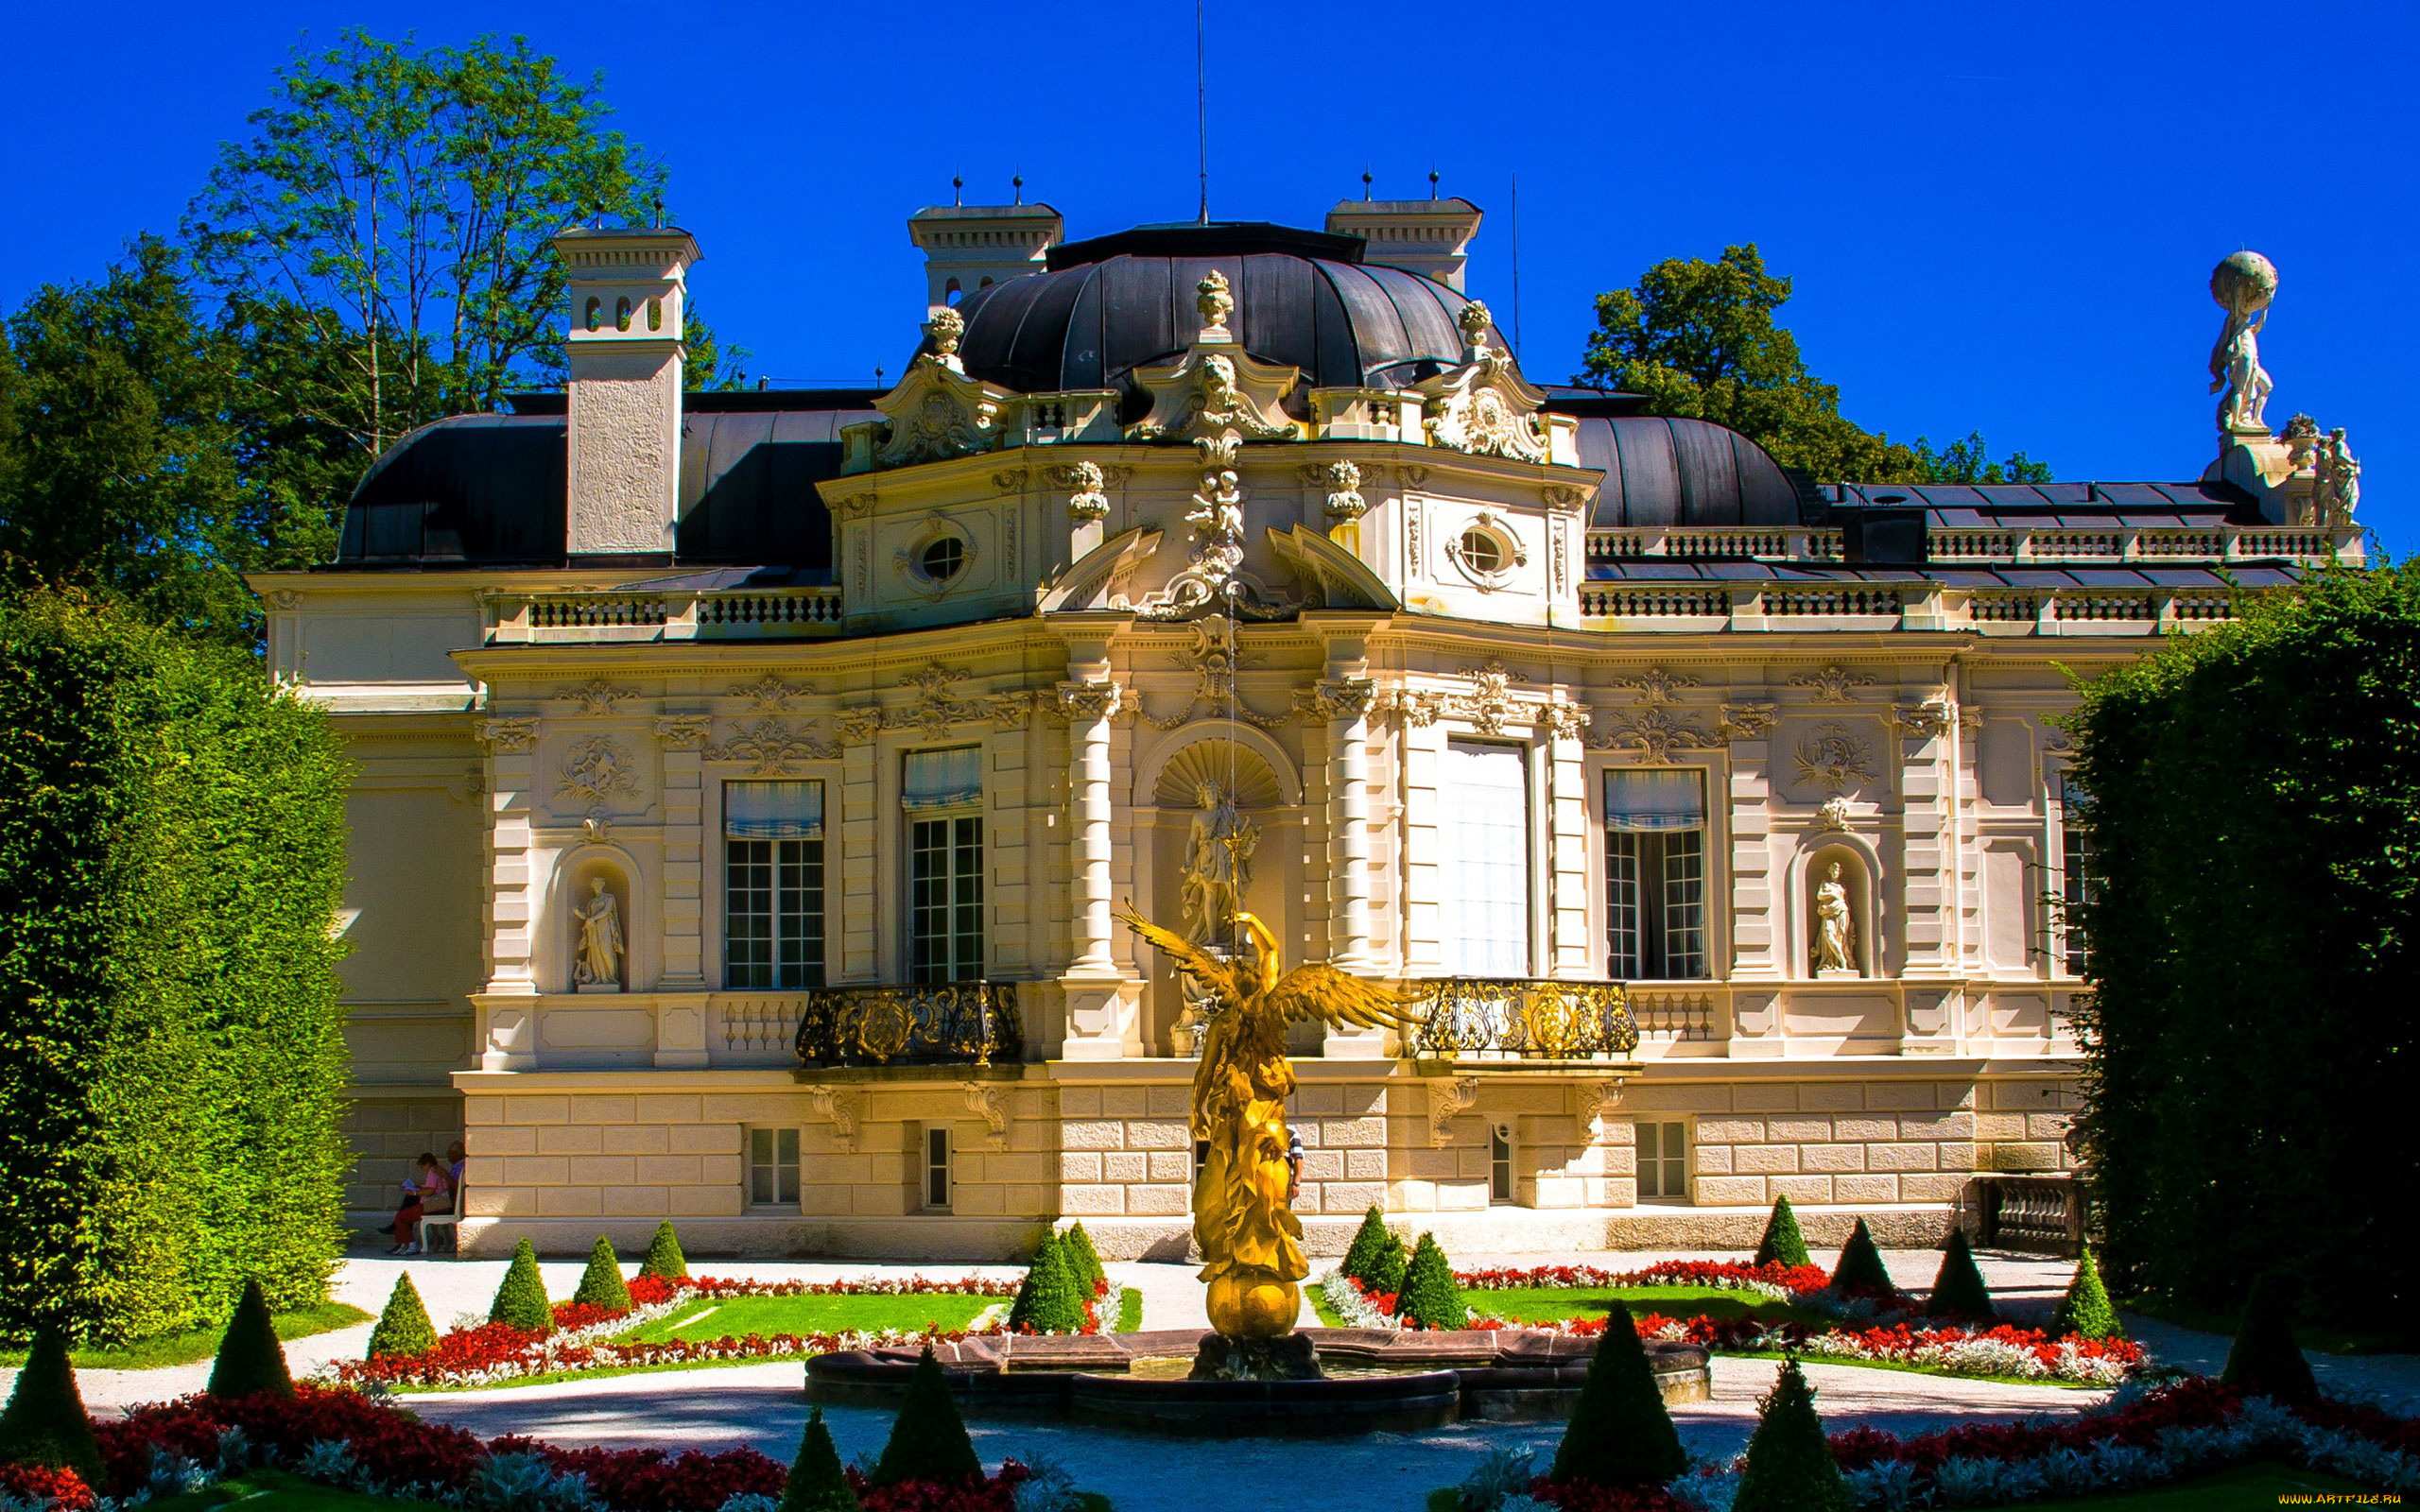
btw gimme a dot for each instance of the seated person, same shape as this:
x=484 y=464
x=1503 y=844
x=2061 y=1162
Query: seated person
x=455 y=1158
x=432 y=1190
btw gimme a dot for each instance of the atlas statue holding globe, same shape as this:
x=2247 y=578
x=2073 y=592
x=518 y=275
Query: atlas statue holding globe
x=1252 y=1242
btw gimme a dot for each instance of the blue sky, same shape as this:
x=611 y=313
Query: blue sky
x=1999 y=218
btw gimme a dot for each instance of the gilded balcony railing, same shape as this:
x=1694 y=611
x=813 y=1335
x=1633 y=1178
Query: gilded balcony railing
x=1479 y=1018
x=922 y=1023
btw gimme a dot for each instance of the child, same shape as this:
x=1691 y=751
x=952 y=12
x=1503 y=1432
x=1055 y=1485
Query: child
x=432 y=1193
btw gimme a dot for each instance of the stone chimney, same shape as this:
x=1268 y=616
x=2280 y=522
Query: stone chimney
x=967 y=247
x=628 y=287
x=1424 y=237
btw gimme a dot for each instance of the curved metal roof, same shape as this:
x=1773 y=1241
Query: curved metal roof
x=1665 y=469
x=1088 y=324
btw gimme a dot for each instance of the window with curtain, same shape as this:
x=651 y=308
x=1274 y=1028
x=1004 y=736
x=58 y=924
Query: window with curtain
x=2075 y=869
x=942 y=791
x=1486 y=794
x=1655 y=873
x=772 y=870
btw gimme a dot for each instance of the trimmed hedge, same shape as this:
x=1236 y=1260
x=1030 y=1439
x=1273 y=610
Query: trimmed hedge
x=1790 y=1468
x=44 y=1422
x=1083 y=1261
x=1621 y=1433
x=404 y=1329
x=1388 y=1263
x=1783 y=1245
x=664 y=1260
x=601 y=1283
x=1430 y=1298
x=2254 y=811
x=1367 y=1241
x=927 y=1439
x=1958 y=1289
x=816 y=1482
x=1861 y=1266
x=2086 y=1309
x=2264 y=1360
x=172 y=1064
x=250 y=1359
x=520 y=1297
x=1047 y=1301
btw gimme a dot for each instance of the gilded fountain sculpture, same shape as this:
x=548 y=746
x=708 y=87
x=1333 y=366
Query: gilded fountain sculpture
x=1252 y=1242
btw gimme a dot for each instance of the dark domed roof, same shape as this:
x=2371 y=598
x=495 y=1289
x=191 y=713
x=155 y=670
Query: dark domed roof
x=1302 y=298
x=1665 y=469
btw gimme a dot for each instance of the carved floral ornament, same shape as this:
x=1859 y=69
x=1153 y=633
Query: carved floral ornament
x=1656 y=685
x=769 y=694
x=1936 y=715
x=597 y=770
x=1085 y=500
x=936 y=708
x=988 y=1102
x=1832 y=685
x=1449 y=1097
x=1483 y=407
x=1344 y=500
x=772 y=748
x=683 y=731
x=1653 y=733
x=1831 y=757
x=596 y=697
x=508 y=737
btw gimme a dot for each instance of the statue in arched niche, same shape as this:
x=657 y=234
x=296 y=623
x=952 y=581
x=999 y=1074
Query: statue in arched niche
x=596 y=966
x=1835 y=929
x=1217 y=863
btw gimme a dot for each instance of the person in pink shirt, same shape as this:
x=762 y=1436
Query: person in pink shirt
x=433 y=1192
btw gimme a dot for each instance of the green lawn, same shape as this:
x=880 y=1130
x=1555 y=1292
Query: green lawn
x=738 y=1316
x=1546 y=1304
x=184 y=1349
x=2241 y=1489
x=276 y=1491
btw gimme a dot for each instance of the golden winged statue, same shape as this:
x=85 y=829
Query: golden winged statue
x=1250 y=1240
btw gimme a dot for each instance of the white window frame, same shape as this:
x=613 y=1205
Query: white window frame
x=1666 y=1130
x=772 y=1136
x=1716 y=877
x=1503 y=1165
x=1452 y=899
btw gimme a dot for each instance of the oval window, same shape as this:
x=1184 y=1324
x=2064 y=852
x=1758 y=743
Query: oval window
x=942 y=559
x=655 y=314
x=595 y=313
x=621 y=315
x=1482 y=552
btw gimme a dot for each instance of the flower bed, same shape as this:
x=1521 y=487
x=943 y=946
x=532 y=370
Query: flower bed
x=342 y=1439
x=585 y=1335
x=1949 y=1348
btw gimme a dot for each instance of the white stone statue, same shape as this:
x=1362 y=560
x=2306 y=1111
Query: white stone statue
x=598 y=965
x=2243 y=284
x=2339 y=481
x=1835 y=932
x=1217 y=864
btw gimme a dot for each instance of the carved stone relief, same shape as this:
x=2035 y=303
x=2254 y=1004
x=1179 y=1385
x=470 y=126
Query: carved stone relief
x=596 y=697
x=771 y=747
x=1832 y=685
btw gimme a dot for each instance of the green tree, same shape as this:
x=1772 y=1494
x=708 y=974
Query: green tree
x=1783 y=1243
x=928 y=1438
x=664 y=1260
x=1388 y=1263
x=251 y=1360
x=521 y=1297
x=816 y=1482
x=1958 y=1289
x=172 y=1064
x=601 y=1283
x=1430 y=1298
x=1860 y=1267
x=44 y=1422
x=404 y=1329
x=1047 y=1301
x=2264 y=1360
x=1699 y=339
x=2086 y=1309
x=1621 y=1433
x=2255 y=818
x=1083 y=1261
x=1790 y=1468
x=117 y=471
x=1367 y=1241
x=1967 y=461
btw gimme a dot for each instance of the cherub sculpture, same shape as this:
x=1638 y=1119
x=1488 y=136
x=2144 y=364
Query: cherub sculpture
x=1252 y=1242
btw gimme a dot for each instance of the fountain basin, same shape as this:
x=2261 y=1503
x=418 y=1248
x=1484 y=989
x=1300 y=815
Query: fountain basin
x=1375 y=1379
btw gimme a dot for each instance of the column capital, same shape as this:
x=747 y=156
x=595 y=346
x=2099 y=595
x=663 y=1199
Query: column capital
x=1332 y=698
x=1093 y=698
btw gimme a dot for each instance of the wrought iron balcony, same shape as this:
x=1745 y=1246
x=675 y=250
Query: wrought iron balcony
x=922 y=1023
x=1481 y=1019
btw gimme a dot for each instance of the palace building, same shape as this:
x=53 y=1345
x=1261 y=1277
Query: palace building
x=746 y=782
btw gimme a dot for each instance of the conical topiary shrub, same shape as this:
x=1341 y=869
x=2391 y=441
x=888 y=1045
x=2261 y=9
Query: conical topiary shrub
x=249 y=1358
x=1367 y=1241
x=1047 y=1301
x=2265 y=1361
x=1430 y=1298
x=664 y=1260
x=929 y=1440
x=1083 y=1261
x=1619 y=1434
x=816 y=1482
x=1860 y=1269
x=404 y=1329
x=1783 y=1245
x=2086 y=1309
x=44 y=1422
x=601 y=1283
x=1959 y=1291
x=1387 y=1266
x=1790 y=1468
x=522 y=1300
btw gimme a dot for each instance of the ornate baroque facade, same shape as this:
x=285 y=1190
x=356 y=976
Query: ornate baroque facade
x=746 y=782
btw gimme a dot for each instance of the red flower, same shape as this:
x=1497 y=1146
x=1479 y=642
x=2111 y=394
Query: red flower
x=63 y=1488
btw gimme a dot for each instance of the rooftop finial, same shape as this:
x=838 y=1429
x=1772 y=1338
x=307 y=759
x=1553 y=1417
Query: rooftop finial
x=1433 y=184
x=1016 y=182
x=957 y=189
x=1365 y=183
x=659 y=210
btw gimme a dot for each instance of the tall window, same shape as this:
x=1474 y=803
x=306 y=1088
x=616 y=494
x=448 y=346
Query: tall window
x=1500 y=1165
x=1654 y=873
x=936 y=1166
x=772 y=1167
x=2074 y=869
x=772 y=870
x=943 y=794
x=1662 y=1160
x=1486 y=794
